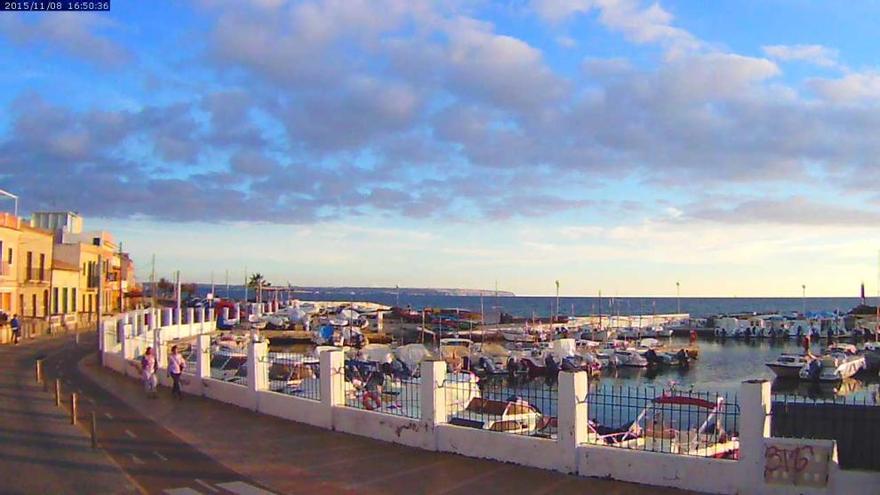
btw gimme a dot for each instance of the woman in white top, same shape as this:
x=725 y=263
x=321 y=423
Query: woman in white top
x=176 y=365
x=148 y=372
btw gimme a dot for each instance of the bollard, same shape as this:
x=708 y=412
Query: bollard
x=94 y=431
x=76 y=337
x=39 y=370
x=57 y=393
x=73 y=408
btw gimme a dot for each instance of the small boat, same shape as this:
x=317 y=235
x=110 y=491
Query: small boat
x=655 y=429
x=788 y=365
x=517 y=335
x=627 y=357
x=657 y=331
x=489 y=359
x=839 y=363
x=514 y=415
x=872 y=355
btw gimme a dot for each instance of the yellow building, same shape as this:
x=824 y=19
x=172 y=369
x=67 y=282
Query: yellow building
x=34 y=271
x=10 y=232
x=65 y=288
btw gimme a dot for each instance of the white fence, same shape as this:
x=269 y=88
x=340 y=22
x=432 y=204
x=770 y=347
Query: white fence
x=766 y=465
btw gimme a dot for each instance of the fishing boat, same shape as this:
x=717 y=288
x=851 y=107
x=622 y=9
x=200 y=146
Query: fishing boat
x=629 y=357
x=872 y=355
x=514 y=415
x=517 y=334
x=788 y=365
x=841 y=361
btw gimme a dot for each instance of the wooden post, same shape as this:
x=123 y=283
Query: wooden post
x=94 y=431
x=73 y=408
x=39 y=370
x=57 y=393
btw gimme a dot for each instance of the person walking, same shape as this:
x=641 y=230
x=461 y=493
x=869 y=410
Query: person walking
x=148 y=372
x=176 y=365
x=16 y=329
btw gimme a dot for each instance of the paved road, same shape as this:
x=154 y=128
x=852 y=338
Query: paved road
x=154 y=459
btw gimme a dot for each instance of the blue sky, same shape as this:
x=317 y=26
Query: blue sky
x=610 y=144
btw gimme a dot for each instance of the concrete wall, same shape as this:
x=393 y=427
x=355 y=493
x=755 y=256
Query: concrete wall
x=568 y=453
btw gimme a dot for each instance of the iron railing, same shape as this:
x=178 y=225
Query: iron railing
x=701 y=424
x=514 y=406
x=851 y=421
x=294 y=374
x=37 y=274
x=382 y=388
x=229 y=367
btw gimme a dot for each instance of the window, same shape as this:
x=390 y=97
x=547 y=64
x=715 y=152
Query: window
x=73 y=299
x=55 y=300
x=84 y=268
x=64 y=300
x=10 y=256
x=29 y=263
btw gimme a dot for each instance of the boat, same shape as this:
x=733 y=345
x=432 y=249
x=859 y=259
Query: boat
x=657 y=331
x=629 y=357
x=664 y=359
x=788 y=365
x=840 y=362
x=514 y=415
x=518 y=334
x=871 y=352
x=654 y=429
x=489 y=359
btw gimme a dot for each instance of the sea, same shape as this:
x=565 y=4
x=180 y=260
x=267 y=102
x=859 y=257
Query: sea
x=543 y=306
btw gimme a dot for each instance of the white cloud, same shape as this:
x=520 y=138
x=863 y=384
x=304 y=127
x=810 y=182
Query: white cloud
x=861 y=87
x=814 y=54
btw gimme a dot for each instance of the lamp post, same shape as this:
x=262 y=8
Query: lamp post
x=678 y=295
x=804 y=300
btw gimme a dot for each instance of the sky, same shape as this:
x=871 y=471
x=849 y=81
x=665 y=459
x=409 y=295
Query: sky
x=613 y=145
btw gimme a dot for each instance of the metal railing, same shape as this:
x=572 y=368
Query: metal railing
x=700 y=424
x=191 y=355
x=382 y=388
x=851 y=421
x=501 y=404
x=229 y=367
x=295 y=374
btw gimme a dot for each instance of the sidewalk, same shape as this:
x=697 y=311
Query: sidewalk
x=42 y=452
x=295 y=458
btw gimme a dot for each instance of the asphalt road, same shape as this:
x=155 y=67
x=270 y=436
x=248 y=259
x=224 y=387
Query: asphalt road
x=155 y=459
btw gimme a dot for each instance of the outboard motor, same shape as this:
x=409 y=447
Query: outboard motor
x=652 y=357
x=814 y=369
x=683 y=359
x=487 y=364
x=512 y=366
x=551 y=366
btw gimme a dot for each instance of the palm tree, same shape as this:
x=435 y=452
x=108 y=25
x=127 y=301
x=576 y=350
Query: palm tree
x=257 y=281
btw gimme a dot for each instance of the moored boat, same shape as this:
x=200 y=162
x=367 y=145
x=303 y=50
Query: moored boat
x=788 y=365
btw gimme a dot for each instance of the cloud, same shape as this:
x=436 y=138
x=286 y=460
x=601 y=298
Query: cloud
x=791 y=210
x=814 y=54
x=76 y=33
x=860 y=87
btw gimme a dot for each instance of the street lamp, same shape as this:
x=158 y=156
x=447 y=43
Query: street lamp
x=804 y=299
x=678 y=295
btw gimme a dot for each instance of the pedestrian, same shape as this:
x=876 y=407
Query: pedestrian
x=148 y=372
x=176 y=365
x=16 y=329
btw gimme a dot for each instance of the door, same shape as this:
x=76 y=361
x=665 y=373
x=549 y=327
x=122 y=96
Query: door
x=46 y=302
x=34 y=305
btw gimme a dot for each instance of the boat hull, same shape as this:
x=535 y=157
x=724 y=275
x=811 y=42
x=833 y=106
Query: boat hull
x=782 y=371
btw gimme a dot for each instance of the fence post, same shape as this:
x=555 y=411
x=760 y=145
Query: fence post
x=190 y=315
x=158 y=349
x=57 y=393
x=332 y=381
x=94 y=431
x=258 y=366
x=203 y=359
x=432 y=392
x=571 y=417
x=73 y=408
x=38 y=370
x=754 y=427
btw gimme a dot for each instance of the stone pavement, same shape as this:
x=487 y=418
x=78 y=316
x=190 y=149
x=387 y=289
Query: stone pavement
x=40 y=451
x=289 y=457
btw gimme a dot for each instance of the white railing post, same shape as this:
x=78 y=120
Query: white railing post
x=158 y=349
x=122 y=338
x=167 y=317
x=754 y=427
x=571 y=417
x=190 y=315
x=332 y=378
x=258 y=366
x=203 y=358
x=432 y=392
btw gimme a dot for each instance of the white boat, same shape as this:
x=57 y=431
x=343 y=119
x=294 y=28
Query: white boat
x=512 y=416
x=841 y=362
x=629 y=357
x=517 y=335
x=788 y=365
x=658 y=332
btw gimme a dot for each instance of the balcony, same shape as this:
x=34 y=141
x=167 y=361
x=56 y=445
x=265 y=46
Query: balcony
x=6 y=269
x=92 y=282
x=37 y=275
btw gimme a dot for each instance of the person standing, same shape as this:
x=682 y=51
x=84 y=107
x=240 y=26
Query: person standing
x=176 y=365
x=148 y=372
x=16 y=329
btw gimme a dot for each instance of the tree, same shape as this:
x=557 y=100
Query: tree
x=257 y=280
x=189 y=289
x=164 y=287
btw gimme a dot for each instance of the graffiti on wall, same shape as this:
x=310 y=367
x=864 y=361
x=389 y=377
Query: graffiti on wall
x=796 y=464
